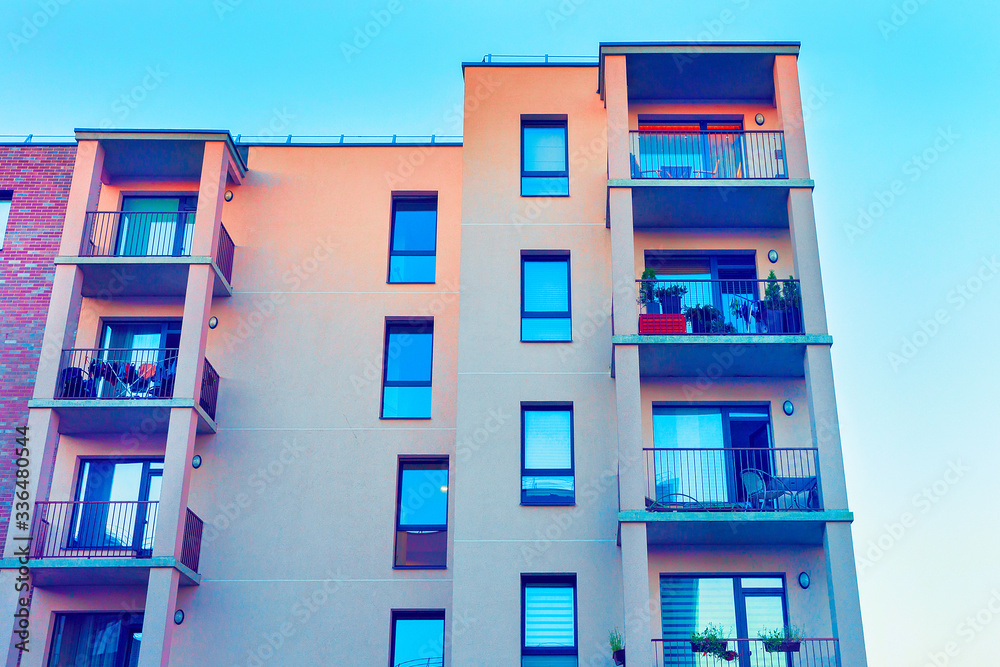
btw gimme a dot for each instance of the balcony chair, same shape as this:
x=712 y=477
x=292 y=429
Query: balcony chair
x=762 y=489
x=638 y=173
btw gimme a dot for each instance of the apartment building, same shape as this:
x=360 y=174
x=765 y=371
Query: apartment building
x=466 y=403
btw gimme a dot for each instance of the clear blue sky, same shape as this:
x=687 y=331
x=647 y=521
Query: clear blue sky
x=882 y=96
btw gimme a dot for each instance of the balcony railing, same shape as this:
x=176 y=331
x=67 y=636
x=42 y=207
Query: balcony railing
x=711 y=154
x=734 y=307
x=90 y=529
x=224 y=254
x=191 y=546
x=138 y=234
x=117 y=373
x=762 y=479
x=209 y=389
x=748 y=653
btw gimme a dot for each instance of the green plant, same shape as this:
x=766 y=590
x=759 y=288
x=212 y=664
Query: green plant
x=647 y=287
x=773 y=639
x=707 y=319
x=617 y=640
x=772 y=292
x=791 y=293
x=711 y=641
x=672 y=290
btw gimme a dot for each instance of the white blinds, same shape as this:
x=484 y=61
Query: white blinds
x=548 y=616
x=547 y=439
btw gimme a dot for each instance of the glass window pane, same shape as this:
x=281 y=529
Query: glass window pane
x=547 y=489
x=549 y=661
x=412 y=268
x=690 y=604
x=423 y=499
x=546 y=329
x=764 y=612
x=406 y=402
x=556 y=186
x=422 y=548
x=548 y=616
x=418 y=639
x=544 y=148
x=548 y=439
x=409 y=356
x=90 y=639
x=546 y=286
x=414 y=226
x=762 y=582
x=4 y=215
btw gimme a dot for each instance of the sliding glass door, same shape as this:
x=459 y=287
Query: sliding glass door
x=117 y=505
x=156 y=226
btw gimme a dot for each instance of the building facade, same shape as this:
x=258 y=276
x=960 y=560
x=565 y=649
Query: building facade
x=427 y=403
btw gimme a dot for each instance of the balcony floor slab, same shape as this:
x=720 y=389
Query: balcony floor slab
x=51 y=572
x=80 y=416
x=735 y=527
x=113 y=277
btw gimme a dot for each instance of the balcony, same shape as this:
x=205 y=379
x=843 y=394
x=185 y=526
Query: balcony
x=125 y=390
x=726 y=154
x=104 y=542
x=746 y=327
x=130 y=253
x=733 y=495
x=748 y=653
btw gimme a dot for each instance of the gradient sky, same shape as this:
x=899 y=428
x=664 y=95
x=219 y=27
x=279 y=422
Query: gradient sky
x=898 y=93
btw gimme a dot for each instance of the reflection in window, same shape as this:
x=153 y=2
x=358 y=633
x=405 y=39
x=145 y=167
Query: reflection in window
x=545 y=299
x=413 y=247
x=422 y=514
x=544 y=156
x=406 y=392
x=547 y=462
x=417 y=638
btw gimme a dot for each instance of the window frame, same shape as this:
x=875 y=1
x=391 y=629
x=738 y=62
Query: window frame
x=404 y=461
x=531 y=406
x=416 y=615
x=7 y=197
x=739 y=593
x=542 y=580
x=129 y=623
x=419 y=325
x=411 y=198
x=548 y=256
x=552 y=121
x=725 y=408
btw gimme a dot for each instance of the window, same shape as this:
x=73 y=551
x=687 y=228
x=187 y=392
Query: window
x=109 y=640
x=422 y=514
x=544 y=158
x=417 y=638
x=117 y=502
x=413 y=242
x=406 y=384
x=6 y=199
x=548 y=621
x=547 y=455
x=689 y=149
x=545 y=298
x=743 y=606
x=156 y=226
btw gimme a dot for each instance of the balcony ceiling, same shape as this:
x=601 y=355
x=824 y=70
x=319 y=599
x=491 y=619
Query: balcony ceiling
x=173 y=154
x=701 y=76
x=695 y=204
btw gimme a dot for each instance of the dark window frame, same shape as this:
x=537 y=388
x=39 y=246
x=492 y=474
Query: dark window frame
x=725 y=407
x=418 y=325
x=129 y=620
x=6 y=196
x=402 y=462
x=528 y=406
x=739 y=593
x=548 y=256
x=416 y=615
x=411 y=199
x=541 y=580
x=556 y=122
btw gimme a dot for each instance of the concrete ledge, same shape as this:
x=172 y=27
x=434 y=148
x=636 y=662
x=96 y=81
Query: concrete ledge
x=711 y=183
x=46 y=572
x=728 y=528
x=105 y=277
x=682 y=339
x=78 y=416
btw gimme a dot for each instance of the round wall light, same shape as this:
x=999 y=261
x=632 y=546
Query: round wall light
x=179 y=616
x=229 y=193
x=772 y=256
x=759 y=118
x=788 y=407
x=213 y=322
x=196 y=461
x=804 y=580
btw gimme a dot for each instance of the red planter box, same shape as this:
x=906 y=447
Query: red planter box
x=662 y=325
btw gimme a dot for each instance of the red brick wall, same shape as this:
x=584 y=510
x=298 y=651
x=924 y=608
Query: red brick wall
x=40 y=177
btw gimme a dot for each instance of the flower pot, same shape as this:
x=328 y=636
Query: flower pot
x=671 y=304
x=775 y=321
x=653 y=307
x=705 y=647
x=784 y=646
x=618 y=656
x=793 y=320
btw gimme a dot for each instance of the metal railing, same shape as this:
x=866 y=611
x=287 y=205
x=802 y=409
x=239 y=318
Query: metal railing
x=191 y=545
x=709 y=154
x=209 y=389
x=733 y=479
x=117 y=373
x=88 y=529
x=731 y=307
x=224 y=254
x=544 y=58
x=748 y=653
x=138 y=234
x=348 y=140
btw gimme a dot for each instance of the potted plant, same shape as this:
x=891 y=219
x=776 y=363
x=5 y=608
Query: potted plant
x=669 y=297
x=792 y=297
x=782 y=640
x=710 y=641
x=783 y=304
x=617 y=642
x=707 y=319
x=647 y=292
